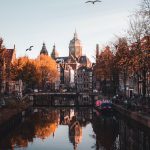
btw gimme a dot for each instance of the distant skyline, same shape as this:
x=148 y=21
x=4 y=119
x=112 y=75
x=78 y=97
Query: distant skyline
x=31 y=22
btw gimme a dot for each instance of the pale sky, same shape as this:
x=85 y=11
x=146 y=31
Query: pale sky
x=32 y=22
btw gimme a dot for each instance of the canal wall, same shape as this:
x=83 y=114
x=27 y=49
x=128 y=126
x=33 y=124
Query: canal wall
x=137 y=116
x=11 y=118
x=63 y=99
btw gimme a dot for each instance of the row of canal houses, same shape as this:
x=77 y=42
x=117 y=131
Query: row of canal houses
x=135 y=81
x=77 y=73
x=75 y=70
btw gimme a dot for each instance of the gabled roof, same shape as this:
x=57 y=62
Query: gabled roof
x=84 y=60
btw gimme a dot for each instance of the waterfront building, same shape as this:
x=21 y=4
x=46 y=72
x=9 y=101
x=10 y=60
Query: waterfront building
x=9 y=57
x=84 y=79
x=103 y=75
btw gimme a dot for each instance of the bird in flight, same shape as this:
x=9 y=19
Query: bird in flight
x=93 y=2
x=29 y=49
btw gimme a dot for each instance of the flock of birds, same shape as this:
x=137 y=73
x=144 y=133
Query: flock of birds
x=93 y=2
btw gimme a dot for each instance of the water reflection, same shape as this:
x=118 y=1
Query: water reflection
x=106 y=131
x=82 y=128
x=133 y=136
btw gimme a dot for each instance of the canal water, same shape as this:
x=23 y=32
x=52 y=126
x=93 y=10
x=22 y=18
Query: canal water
x=75 y=129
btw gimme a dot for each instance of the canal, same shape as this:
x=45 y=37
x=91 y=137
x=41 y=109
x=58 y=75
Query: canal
x=75 y=129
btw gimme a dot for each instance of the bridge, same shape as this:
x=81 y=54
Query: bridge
x=63 y=99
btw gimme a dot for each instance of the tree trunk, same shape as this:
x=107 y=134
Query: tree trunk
x=124 y=82
x=138 y=88
x=144 y=82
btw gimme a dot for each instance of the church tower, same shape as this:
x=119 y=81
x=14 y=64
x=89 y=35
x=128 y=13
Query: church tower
x=54 y=53
x=44 y=50
x=75 y=48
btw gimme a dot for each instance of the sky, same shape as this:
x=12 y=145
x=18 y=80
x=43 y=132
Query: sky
x=32 y=22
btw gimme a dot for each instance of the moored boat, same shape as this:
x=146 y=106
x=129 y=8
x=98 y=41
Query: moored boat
x=104 y=105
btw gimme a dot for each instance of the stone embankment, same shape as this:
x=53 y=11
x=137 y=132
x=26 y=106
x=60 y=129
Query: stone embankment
x=135 y=115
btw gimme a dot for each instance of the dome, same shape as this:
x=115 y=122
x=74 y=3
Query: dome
x=54 y=53
x=44 y=50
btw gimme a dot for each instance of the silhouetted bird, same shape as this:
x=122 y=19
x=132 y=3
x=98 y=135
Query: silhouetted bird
x=93 y=2
x=29 y=49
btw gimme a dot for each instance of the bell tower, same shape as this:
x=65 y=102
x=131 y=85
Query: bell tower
x=75 y=48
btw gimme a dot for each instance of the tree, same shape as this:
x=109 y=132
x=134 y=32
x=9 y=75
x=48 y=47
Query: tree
x=122 y=60
x=139 y=28
x=104 y=70
x=24 y=68
x=2 y=63
x=145 y=10
x=47 y=70
x=34 y=73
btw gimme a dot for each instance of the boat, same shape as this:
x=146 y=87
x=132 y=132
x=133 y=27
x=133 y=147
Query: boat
x=104 y=105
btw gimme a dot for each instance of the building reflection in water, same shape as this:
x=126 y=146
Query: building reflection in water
x=75 y=132
x=43 y=123
x=46 y=122
x=109 y=132
x=105 y=128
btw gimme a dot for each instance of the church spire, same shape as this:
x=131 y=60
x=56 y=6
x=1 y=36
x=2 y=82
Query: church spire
x=75 y=35
x=14 y=46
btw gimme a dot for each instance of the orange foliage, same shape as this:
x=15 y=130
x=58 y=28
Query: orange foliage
x=45 y=123
x=34 y=72
x=46 y=69
x=103 y=68
x=45 y=130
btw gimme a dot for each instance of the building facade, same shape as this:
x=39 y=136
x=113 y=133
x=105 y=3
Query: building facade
x=69 y=64
x=84 y=79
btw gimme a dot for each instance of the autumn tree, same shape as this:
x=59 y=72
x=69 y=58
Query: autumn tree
x=24 y=68
x=122 y=59
x=34 y=73
x=2 y=63
x=46 y=70
x=144 y=11
x=139 y=29
x=104 y=71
